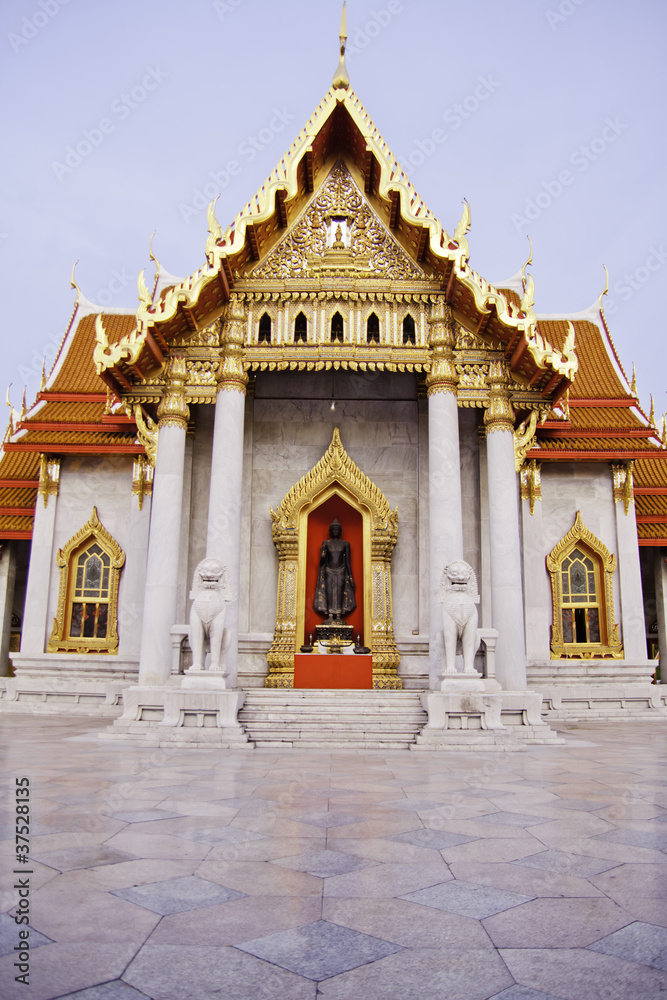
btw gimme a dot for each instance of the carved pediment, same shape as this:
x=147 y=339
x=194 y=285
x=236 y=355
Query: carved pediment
x=339 y=234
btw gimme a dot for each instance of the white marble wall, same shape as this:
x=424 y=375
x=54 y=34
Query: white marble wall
x=7 y=580
x=566 y=488
x=106 y=483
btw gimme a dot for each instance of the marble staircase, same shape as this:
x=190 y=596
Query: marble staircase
x=332 y=719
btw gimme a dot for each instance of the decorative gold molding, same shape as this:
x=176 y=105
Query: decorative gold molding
x=606 y=563
x=443 y=376
x=142 y=479
x=173 y=409
x=147 y=433
x=49 y=478
x=524 y=436
x=60 y=641
x=106 y=355
x=335 y=473
x=231 y=374
x=531 y=483
x=623 y=483
x=499 y=415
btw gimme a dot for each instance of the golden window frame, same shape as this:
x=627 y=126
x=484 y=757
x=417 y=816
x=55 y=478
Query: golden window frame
x=604 y=563
x=93 y=531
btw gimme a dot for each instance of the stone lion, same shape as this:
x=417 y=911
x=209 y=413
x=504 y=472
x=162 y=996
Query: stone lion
x=210 y=594
x=459 y=598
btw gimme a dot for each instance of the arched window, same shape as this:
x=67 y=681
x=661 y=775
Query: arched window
x=87 y=615
x=337 y=329
x=581 y=570
x=373 y=329
x=409 y=336
x=265 y=329
x=301 y=329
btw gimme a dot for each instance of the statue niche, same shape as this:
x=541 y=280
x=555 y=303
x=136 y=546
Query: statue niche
x=459 y=598
x=210 y=594
x=334 y=593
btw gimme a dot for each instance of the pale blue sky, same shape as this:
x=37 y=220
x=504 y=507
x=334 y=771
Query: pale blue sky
x=518 y=92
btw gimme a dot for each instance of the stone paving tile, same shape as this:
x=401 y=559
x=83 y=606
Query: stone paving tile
x=164 y=972
x=117 y=990
x=144 y=815
x=638 y=942
x=258 y=878
x=523 y=993
x=435 y=839
x=531 y=881
x=385 y=850
x=499 y=849
x=637 y=838
x=387 y=880
x=512 y=819
x=579 y=974
x=407 y=923
x=178 y=894
x=9 y=935
x=59 y=969
x=221 y=835
x=564 y=863
x=466 y=898
x=555 y=923
x=238 y=920
x=329 y=819
x=323 y=864
x=83 y=857
x=69 y=915
x=156 y=846
x=422 y=974
x=319 y=950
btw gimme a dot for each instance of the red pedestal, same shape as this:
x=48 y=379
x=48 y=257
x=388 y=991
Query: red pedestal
x=333 y=670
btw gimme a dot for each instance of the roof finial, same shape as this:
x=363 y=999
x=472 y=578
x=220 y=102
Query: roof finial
x=42 y=384
x=341 y=80
x=633 y=384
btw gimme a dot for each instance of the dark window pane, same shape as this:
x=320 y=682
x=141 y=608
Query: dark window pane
x=89 y=621
x=102 y=621
x=265 y=329
x=408 y=330
x=105 y=583
x=591 y=584
x=577 y=578
x=568 y=631
x=79 y=575
x=77 y=616
x=337 y=327
x=105 y=559
x=93 y=576
x=373 y=329
x=94 y=550
x=593 y=625
x=580 y=624
x=300 y=329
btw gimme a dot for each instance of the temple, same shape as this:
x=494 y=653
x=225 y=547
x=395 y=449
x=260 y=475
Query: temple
x=335 y=356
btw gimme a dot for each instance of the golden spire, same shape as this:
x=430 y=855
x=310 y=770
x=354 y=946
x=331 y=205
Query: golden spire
x=42 y=384
x=341 y=80
x=633 y=384
x=651 y=416
x=24 y=405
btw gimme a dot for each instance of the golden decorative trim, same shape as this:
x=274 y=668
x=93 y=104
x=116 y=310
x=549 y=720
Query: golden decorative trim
x=49 y=478
x=231 y=374
x=142 y=479
x=59 y=641
x=335 y=473
x=605 y=563
x=524 y=436
x=443 y=376
x=531 y=483
x=107 y=356
x=623 y=483
x=147 y=433
x=499 y=415
x=173 y=409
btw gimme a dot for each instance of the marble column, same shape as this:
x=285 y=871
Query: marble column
x=165 y=530
x=34 y=634
x=506 y=584
x=225 y=499
x=660 y=569
x=444 y=470
x=7 y=579
x=633 y=625
x=537 y=589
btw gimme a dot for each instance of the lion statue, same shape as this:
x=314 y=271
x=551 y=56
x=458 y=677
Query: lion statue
x=210 y=594
x=459 y=597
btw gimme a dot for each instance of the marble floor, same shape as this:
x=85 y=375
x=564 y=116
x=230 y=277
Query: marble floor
x=287 y=875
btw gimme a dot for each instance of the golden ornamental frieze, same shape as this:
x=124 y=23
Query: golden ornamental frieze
x=339 y=234
x=107 y=355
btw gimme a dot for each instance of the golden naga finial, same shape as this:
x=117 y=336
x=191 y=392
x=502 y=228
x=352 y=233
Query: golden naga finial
x=145 y=296
x=341 y=80
x=463 y=226
x=214 y=228
x=633 y=384
x=155 y=261
x=24 y=405
x=73 y=283
x=663 y=436
x=42 y=384
x=605 y=290
x=651 y=416
x=528 y=297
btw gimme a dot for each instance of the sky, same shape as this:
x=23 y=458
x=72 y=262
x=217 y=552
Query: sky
x=122 y=118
